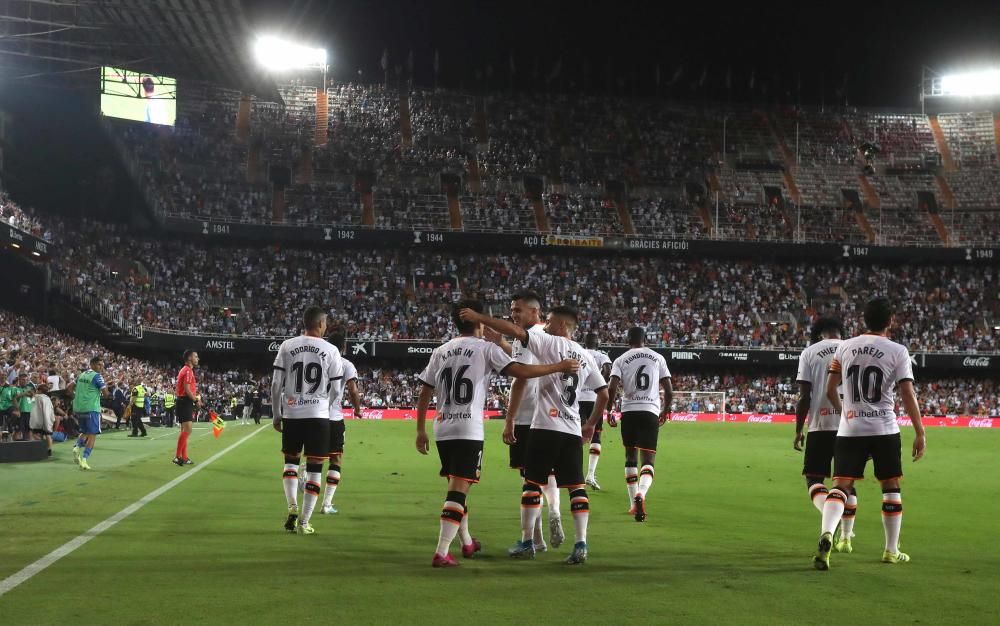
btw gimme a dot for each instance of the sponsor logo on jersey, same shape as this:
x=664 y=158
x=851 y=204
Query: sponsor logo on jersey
x=970 y=361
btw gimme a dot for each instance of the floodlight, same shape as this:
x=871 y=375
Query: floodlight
x=983 y=83
x=278 y=55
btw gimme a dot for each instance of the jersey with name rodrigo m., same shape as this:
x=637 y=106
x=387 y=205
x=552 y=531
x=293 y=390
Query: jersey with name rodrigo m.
x=307 y=368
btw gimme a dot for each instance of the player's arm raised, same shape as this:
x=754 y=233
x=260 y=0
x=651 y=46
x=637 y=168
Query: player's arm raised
x=667 y=385
x=493 y=336
x=613 y=386
x=801 y=412
x=501 y=326
x=423 y=401
x=909 y=399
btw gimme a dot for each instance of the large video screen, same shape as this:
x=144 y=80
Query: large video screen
x=138 y=96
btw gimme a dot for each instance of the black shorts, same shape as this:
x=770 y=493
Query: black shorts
x=820 y=446
x=518 y=448
x=553 y=452
x=138 y=412
x=640 y=429
x=586 y=410
x=851 y=455
x=184 y=410
x=41 y=431
x=461 y=458
x=337 y=430
x=25 y=422
x=312 y=434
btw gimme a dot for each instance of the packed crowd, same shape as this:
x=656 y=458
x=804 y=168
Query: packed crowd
x=24 y=219
x=385 y=294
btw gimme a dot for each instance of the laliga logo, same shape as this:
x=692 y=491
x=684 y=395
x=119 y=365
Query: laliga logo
x=329 y=234
x=983 y=361
x=416 y=236
x=273 y=346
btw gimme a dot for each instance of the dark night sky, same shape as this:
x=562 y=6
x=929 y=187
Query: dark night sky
x=880 y=47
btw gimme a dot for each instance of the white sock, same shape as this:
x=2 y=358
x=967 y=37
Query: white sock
x=551 y=492
x=818 y=493
x=332 y=482
x=531 y=514
x=847 y=521
x=833 y=509
x=463 y=530
x=645 y=480
x=538 y=537
x=632 y=481
x=449 y=525
x=290 y=481
x=595 y=456
x=580 y=505
x=310 y=496
x=892 y=519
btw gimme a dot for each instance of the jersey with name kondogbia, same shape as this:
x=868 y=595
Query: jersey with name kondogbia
x=337 y=394
x=588 y=393
x=640 y=371
x=558 y=406
x=870 y=367
x=307 y=367
x=459 y=371
x=814 y=367
x=526 y=410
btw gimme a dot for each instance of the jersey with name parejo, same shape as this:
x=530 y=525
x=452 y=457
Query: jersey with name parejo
x=337 y=393
x=814 y=367
x=870 y=366
x=526 y=411
x=641 y=370
x=460 y=372
x=307 y=368
x=588 y=393
x=558 y=406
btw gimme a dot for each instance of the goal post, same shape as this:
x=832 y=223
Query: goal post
x=699 y=402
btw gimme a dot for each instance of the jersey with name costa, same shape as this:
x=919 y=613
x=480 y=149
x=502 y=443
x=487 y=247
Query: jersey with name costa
x=337 y=393
x=814 y=367
x=526 y=411
x=460 y=373
x=558 y=406
x=307 y=368
x=588 y=393
x=641 y=370
x=870 y=367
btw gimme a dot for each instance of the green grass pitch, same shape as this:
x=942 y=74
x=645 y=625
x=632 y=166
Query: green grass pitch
x=729 y=538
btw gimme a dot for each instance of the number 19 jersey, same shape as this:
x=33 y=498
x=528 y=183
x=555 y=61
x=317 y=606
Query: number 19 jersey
x=640 y=370
x=307 y=368
x=459 y=371
x=870 y=367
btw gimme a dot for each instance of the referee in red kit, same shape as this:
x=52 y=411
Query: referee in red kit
x=187 y=401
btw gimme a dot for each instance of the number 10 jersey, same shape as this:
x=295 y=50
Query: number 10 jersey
x=870 y=367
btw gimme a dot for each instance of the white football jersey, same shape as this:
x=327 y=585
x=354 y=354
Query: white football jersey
x=337 y=393
x=558 y=404
x=526 y=411
x=814 y=367
x=588 y=393
x=870 y=367
x=460 y=373
x=640 y=371
x=307 y=368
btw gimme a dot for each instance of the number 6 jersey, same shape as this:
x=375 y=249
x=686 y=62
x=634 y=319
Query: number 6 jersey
x=307 y=367
x=640 y=370
x=870 y=367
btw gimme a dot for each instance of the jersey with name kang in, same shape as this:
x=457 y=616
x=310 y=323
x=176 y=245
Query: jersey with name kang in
x=459 y=371
x=641 y=370
x=558 y=405
x=337 y=393
x=588 y=393
x=307 y=368
x=870 y=367
x=814 y=367
x=526 y=410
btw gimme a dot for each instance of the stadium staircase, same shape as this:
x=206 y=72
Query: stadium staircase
x=454 y=209
x=479 y=122
x=405 y=122
x=872 y=200
x=367 y=208
x=942 y=144
x=996 y=134
x=624 y=212
x=322 y=118
x=941 y=229
x=304 y=167
x=278 y=204
x=541 y=219
x=254 y=162
x=243 y=119
x=475 y=178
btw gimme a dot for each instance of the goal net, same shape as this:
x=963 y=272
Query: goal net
x=700 y=402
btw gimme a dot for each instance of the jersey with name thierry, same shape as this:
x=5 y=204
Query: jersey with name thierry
x=337 y=393
x=870 y=367
x=558 y=405
x=460 y=373
x=588 y=393
x=641 y=370
x=526 y=411
x=308 y=367
x=814 y=367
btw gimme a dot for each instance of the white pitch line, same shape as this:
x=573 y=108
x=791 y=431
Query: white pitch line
x=70 y=546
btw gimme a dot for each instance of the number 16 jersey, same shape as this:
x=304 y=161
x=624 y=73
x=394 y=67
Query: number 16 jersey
x=870 y=367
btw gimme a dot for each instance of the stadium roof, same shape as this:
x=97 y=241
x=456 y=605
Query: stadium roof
x=205 y=40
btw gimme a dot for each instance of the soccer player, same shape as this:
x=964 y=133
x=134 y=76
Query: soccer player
x=587 y=397
x=459 y=374
x=557 y=436
x=306 y=369
x=188 y=402
x=642 y=412
x=824 y=420
x=87 y=392
x=872 y=368
x=348 y=383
